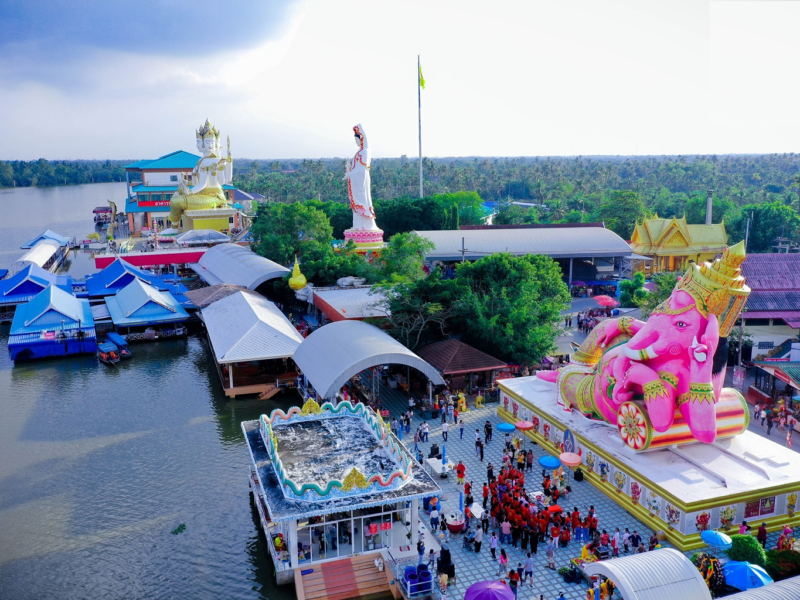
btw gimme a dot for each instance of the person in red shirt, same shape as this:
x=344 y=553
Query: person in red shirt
x=485 y=494
x=592 y=527
x=542 y=528
x=461 y=470
x=565 y=536
x=576 y=519
x=467 y=486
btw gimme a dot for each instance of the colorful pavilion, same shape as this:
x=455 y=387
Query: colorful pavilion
x=673 y=243
x=24 y=285
x=53 y=323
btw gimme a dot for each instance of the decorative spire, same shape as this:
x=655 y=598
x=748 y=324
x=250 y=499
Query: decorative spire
x=297 y=281
x=719 y=287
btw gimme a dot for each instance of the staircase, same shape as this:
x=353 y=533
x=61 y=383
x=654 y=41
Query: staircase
x=344 y=579
x=269 y=391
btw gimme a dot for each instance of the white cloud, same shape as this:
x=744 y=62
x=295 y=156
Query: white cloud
x=522 y=78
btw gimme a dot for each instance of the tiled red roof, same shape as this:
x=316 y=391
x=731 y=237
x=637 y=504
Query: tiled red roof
x=772 y=271
x=453 y=356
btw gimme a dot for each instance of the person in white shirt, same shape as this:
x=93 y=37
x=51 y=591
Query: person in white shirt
x=445 y=429
x=425 y=432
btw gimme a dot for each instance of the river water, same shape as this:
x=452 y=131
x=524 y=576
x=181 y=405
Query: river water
x=98 y=465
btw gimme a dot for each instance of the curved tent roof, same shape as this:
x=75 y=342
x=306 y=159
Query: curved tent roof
x=788 y=589
x=663 y=573
x=338 y=351
x=229 y=263
x=245 y=326
x=557 y=242
x=42 y=252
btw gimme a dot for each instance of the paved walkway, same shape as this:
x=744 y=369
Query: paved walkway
x=472 y=567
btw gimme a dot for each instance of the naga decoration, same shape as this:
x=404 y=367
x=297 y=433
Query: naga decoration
x=660 y=381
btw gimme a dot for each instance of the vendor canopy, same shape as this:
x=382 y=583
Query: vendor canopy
x=245 y=326
x=333 y=354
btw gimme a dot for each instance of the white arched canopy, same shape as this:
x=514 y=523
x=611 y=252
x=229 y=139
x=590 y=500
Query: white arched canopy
x=657 y=575
x=236 y=265
x=333 y=354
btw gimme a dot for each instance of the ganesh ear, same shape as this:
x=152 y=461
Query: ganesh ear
x=712 y=330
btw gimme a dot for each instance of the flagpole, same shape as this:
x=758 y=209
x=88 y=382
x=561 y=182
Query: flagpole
x=419 y=113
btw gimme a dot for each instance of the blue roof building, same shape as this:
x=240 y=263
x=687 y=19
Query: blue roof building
x=27 y=283
x=54 y=323
x=140 y=305
x=47 y=235
x=117 y=276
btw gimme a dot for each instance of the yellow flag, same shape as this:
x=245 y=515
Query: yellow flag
x=421 y=79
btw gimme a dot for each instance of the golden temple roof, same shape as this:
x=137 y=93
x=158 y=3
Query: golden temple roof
x=675 y=237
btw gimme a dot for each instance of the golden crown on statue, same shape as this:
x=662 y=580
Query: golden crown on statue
x=207 y=131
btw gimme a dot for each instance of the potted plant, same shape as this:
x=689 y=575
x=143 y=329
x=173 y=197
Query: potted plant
x=566 y=573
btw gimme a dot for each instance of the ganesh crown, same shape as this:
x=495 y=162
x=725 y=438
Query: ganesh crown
x=718 y=287
x=207 y=131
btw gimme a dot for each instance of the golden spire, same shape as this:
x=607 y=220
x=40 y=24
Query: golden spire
x=297 y=281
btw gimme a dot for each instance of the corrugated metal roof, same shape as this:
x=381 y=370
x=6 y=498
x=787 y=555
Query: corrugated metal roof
x=772 y=271
x=116 y=276
x=202 y=236
x=338 y=351
x=229 y=263
x=245 y=326
x=139 y=303
x=47 y=235
x=788 y=589
x=174 y=160
x=773 y=300
x=38 y=255
x=53 y=308
x=657 y=575
x=454 y=356
x=27 y=283
x=203 y=297
x=352 y=303
x=558 y=243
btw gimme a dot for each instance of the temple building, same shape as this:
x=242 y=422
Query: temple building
x=151 y=185
x=672 y=243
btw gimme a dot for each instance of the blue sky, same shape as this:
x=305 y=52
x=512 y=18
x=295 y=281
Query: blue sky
x=122 y=79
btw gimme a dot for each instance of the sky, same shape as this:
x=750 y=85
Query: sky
x=290 y=78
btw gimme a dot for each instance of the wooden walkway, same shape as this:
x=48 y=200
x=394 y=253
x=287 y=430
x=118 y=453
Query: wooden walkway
x=354 y=578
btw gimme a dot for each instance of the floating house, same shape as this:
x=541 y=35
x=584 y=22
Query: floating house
x=319 y=505
x=253 y=344
x=47 y=254
x=54 y=323
x=120 y=273
x=47 y=235
x=25 y=285
x=139 y=306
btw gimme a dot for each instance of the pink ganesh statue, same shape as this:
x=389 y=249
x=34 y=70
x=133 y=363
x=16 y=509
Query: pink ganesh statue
x=661 y=381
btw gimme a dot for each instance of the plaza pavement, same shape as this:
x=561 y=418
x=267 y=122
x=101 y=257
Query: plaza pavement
x=473 y=567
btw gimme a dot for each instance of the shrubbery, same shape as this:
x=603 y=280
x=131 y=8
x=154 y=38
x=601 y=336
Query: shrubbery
x=747 y=548
x=782 y=564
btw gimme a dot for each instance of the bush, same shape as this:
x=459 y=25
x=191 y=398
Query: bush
x=782 y=564
x=747 y=548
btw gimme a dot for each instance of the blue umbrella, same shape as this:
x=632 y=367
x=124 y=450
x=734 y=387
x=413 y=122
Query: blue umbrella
x=549 y=462
x=444 y=455
x=716 y=539
x=506 y=428
x=461 y=501
x=743 y=576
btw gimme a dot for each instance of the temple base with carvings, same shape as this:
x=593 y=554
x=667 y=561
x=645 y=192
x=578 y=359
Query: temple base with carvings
x=366 y=240
x=680 y=490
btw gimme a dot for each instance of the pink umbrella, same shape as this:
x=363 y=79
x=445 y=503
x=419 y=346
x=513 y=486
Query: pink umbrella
x=524 y=425
x=570 y=459
x=606 y=301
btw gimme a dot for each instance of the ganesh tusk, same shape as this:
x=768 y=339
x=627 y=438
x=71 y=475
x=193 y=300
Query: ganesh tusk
x=639 y=355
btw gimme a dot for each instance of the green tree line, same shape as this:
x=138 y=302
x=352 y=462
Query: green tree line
x=44 y=173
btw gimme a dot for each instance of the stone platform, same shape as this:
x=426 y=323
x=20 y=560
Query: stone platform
x=679 y=490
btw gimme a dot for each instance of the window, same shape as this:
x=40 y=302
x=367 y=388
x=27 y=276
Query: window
x=766 y=345
x=755 y=322
x=142 y=197
x=156 y=197
x=173 y=178
x=167 y=196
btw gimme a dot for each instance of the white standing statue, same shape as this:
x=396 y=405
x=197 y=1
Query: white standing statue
x=208 y=176
x=365 y=232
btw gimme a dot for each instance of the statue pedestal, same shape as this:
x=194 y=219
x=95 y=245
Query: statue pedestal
x=208 y=218
x=366 y=240
x=673 y=488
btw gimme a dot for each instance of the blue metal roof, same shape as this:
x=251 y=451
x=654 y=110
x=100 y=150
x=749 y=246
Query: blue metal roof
x=141 y=304
x=3 y=273
x=174 y=160
x=25 y=284
x=52 y=309
x=107 y=347
x=118 y=275
x=47 y=235
x=117 y=339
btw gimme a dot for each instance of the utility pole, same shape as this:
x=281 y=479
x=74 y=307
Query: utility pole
x=741 y=335
x=463 y=251
x=747 y=232
x=419 y=114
